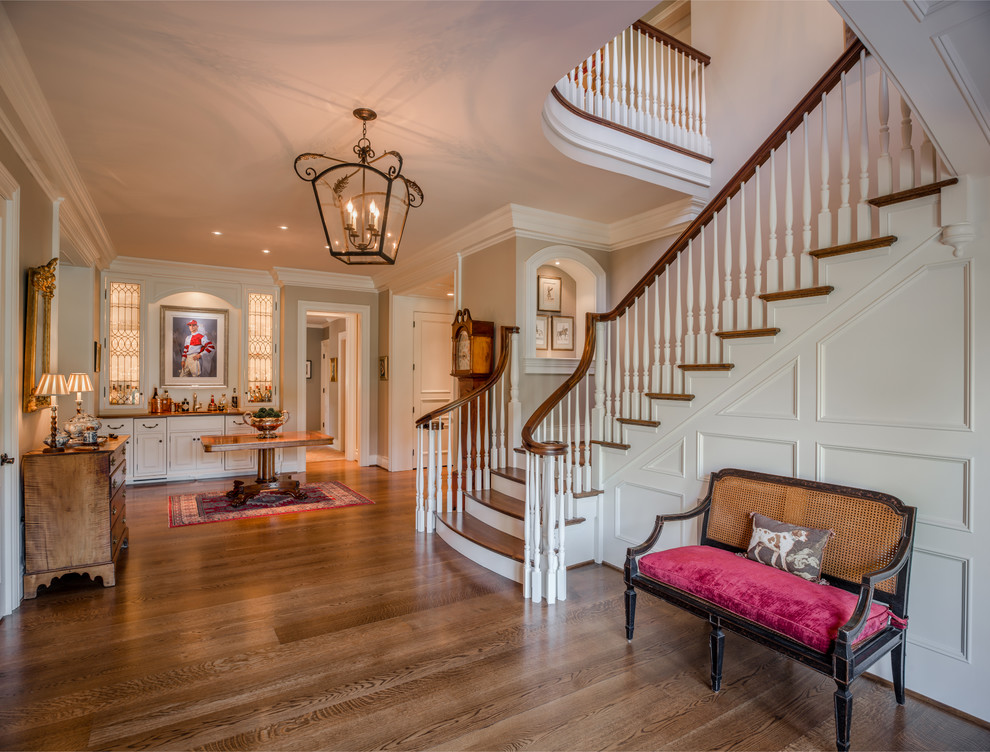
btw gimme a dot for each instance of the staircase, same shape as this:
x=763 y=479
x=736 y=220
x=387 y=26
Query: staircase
x=768 y=261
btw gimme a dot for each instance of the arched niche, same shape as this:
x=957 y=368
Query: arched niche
x=589 y=279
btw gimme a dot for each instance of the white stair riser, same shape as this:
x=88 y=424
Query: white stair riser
x=509 y=487
x=494 y=518
x=501 y=565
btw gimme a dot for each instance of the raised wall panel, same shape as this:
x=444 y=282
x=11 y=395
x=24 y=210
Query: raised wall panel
x=670 y=462
x=904 y=361
x=636 y=510
x=938 y=605
x=774 y=397
x=938 y=486
x=717 y=451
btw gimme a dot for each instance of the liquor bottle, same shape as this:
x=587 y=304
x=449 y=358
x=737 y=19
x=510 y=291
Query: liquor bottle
x=233 y=399
x=223 y=403
x=212 y=407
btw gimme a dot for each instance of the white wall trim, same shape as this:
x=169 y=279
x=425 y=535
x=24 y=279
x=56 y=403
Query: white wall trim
x=324 y=280
x=363 y=365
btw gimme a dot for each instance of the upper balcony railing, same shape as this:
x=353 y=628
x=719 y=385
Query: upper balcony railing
x=647 y=83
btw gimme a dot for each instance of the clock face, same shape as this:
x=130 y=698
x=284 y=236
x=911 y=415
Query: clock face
x=463 y=352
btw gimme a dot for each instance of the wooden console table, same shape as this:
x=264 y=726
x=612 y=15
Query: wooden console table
x=267 y=479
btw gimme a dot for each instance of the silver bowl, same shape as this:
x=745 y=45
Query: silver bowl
x=266 y=427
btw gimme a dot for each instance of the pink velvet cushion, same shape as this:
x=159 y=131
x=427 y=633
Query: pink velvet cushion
x=804 y=611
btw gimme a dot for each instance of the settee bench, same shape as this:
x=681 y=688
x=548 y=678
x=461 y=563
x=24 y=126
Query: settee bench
x=839 y=626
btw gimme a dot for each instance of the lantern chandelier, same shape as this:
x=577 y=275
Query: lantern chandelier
x=363 y=207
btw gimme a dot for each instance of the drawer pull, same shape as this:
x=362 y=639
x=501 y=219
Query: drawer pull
x=116 y=482
x=113 y=544
x=113 y=511
x=153 y=425
x=113 y=460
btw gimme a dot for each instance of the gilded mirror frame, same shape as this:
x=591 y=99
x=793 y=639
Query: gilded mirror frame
x=40 y=291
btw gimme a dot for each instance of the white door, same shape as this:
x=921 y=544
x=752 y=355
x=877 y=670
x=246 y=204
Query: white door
x=432 y=384
x=10 y=533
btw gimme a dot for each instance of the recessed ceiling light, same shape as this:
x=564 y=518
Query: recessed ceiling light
x=283 y=227
x=450 y=294
x=217 y=232
x=265 y=250
x=557 y=263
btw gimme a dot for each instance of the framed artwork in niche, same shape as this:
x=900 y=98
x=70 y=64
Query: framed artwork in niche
x=309 y=369
x=540 y=333
x=194 y=347
x=562 y=337
x=548 y=294
x=333 y=369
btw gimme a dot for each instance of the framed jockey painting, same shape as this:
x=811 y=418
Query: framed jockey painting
x=194 y=347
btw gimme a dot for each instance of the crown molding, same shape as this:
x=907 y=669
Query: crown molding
x=662 y=222
x=32 y=131
x=285 y=276
x=158 y=268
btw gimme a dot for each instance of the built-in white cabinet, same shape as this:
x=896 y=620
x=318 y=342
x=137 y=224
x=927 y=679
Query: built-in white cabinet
x=150 y=450
x=120 y=427
x=186 y=458
x=245 y=460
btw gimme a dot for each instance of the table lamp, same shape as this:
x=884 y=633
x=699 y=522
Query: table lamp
x=52 y=385
x=81 y=424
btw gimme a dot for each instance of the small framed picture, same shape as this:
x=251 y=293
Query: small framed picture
x=563 y=333
x=383 y=368
x=548 y=294
x=333 y=369
x=309 y=369
x=540 y=333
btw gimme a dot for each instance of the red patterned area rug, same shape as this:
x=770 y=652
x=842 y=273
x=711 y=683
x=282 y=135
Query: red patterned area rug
x=214 y=506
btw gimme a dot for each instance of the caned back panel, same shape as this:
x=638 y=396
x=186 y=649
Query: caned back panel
x=866 y=531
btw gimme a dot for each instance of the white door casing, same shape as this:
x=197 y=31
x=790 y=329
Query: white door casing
x=432 y=383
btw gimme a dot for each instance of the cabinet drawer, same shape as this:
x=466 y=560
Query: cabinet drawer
x=149 y=425
x=118 y=535
x=117 y=505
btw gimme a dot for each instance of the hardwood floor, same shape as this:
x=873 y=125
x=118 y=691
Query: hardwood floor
x=344 y=629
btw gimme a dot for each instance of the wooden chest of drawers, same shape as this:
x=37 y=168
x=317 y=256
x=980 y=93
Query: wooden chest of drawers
x=74 y=514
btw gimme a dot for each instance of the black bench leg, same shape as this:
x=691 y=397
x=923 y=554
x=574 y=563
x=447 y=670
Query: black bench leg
x=843 y=716
x=716 y=644
x=630 y=611
x=897 y=669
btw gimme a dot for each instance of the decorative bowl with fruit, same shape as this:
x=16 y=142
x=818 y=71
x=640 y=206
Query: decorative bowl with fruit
x=266 y=421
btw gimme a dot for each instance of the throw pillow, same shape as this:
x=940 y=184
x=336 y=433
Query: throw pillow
x=794 y=549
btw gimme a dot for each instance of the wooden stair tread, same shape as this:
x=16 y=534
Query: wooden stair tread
x=611 y=444
x=807 y=292
x=519 y=450
x=638 y=422
x=584 y=495
x=860 y=245
x=500 y=502
x=706 y=366
x=476 y=531
x=668 y=396
x=516 y=474
x=741 y=333
x=912 y=193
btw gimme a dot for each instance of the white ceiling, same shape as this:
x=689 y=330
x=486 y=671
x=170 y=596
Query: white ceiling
x=185 y=118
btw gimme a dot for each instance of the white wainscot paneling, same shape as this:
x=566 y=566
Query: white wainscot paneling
x=774 y=397
x=938 y=486
x=905 y=360
x=717 y=451
x=636 y=509
x=669 y=462
x=938 y=604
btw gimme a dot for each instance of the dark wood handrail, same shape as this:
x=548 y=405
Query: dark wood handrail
x=624 y=129
x=503 y=361
x=677 y=44
x=810 y=101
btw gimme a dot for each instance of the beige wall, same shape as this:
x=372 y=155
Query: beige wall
x=384 y=348
x=488 y=286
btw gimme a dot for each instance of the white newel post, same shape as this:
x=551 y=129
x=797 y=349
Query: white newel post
x=514 y=433
x=420 y=507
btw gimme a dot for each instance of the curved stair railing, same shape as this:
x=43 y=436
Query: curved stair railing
x=808 y=189
x=646 y=83
x=475 y=433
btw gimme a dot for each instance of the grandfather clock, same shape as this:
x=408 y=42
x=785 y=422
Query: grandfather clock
x=472 y=350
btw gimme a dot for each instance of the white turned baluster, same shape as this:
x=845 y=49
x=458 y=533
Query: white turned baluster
x=689 y=342
x=616 y=115
x=479 y=452
x=669 y=114
x=678 y=103
x=606 y=375
x=503 y=412
x=682 y=89
x=789 y=275
x=550 y=523
x=864 y=219
x=459 y=489
x=693 y=99
x=626 y=360
x=806 y=266
x=905 y=172
x=515 y=407
x=885 y=163
x=714 y=342
x=727 y=313
x=825 y=215
x=702 y=350
x=635 y=399
x=568 y=468
x=756 y=318
x=742 y=302
x=640 y=83
x=646 y=411
x=431 y=481
x=420 y=502
x=617 y=385
x=606 y=83
x=844 y=218
x=655 y=106
x=704 y=115
x=773 y=265
x=623 y=82
x=530 y=491
x=666 y=382
x=675 y=268
x=450 y=465
x=588 y=425
x=656 y=382
x=601 y=378
x=492 y=436
x=439 y=470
